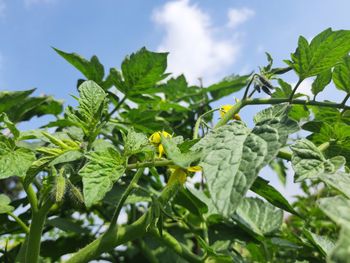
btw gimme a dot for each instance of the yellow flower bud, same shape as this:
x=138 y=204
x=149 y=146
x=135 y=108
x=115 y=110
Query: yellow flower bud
x=155 y=139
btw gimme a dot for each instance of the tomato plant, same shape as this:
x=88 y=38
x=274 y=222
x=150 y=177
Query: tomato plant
x=141 y=171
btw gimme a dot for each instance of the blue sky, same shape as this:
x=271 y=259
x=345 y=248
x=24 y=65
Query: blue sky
x=208 y=39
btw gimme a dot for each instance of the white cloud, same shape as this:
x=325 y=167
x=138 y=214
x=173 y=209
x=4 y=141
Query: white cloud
x=193 y=42
x=239 y=16
x=29 y=3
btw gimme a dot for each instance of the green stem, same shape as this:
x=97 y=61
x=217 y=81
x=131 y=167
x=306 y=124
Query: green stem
x=229 y=115
x=295 y=89
x=120 y=103
x=20 y=222
x=344 y=102
x=35 y=232
x=31 y=195
x=199 y=120
x=286 y=155
x=273 y=101
x=149 y=164
x=123 y=198
x=179 y=248
x=248 y=86
x=110 y=240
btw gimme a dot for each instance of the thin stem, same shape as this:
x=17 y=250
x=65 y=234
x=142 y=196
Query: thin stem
x=295 y=101
x=20 y=222
x=286 y=155
x=149 y=164
x=123 y=198
x=175 y=245
x=120 y=103
x=229 y=115
x=295 y=89
x=344 y=102
x=199 y=120
x=248 y=86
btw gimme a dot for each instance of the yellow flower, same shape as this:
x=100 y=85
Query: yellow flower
x=224 y=109
x=179 y=174
x=156 y=139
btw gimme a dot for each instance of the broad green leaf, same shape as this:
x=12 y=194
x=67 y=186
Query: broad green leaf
x=338 y=180
x=8 y=99
x=321 y=81
x=308 y=161
x=20 y=107
x=277 y=118
x=341 y=251
x=337 y=208
x=228 y=153
x=135 y=142
x=323 y=243
x=259 y=217
x=262 y=188
x=102 y=170
x=5 y=206
x=143 y=69
x=92 y=106
x=227 y=86
x=324 y=51
x=173 y=153
x=341 y=75
x=232 y=155
x=92 y=70
x=14 y=161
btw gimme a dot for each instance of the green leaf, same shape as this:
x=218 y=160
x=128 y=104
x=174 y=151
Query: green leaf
x=92 y=106
x=4 y=204
x=191 y=202
x=173 y=153
x=103 y=169
x=136 y=142
x=341 y=74
x=336 y=208
x=20 y=107
x=92 y=70
x=321 y=81
x=262 y=188
x=308 y=161
x=324 y=51
x=338 y=180
x=15 y=132
x=227 y=86
x=143 y=70
x=14 y=161
x=233 y=155
x=341 y=252
x=323 y=243
x=228 y=153
x=259 y=217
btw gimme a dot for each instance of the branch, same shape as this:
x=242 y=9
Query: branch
x=178 y=248
x=123 y=198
